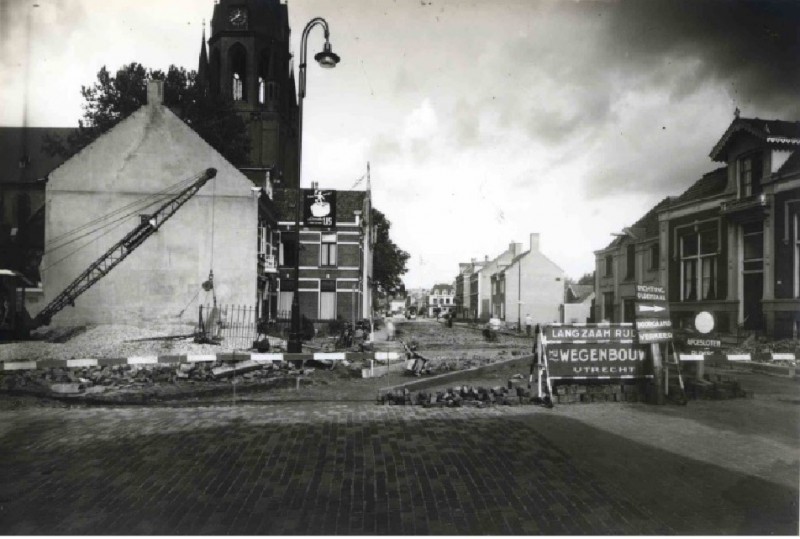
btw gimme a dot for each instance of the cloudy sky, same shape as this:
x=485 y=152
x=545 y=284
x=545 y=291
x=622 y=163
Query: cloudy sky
x=483 y=121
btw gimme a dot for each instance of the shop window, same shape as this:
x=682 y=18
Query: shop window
x=699 y=264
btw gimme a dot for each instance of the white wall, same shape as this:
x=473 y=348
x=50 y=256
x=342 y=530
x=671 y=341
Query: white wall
x=146 y=154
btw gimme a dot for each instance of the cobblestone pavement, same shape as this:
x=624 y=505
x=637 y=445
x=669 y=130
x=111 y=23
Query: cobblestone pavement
x=357 y=468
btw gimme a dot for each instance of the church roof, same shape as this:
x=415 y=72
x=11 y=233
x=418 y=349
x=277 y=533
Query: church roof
x=12 y=147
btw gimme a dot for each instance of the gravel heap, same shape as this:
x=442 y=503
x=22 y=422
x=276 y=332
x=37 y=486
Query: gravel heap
x=107 y=341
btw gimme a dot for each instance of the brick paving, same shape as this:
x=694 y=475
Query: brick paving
x=356 y=468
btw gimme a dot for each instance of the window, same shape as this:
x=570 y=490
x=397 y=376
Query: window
x=262 y=87
x=655 y=255
x=630 y=261
x=609 y=266
x=699 y=250
x=288 y=252
x=750 y=170
x=608 y=306
x=327 y=299
x=797 y=255
x=327 y=251
x=238 y=88
x=627 y=310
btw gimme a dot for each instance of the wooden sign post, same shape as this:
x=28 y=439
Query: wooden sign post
x=654 y=326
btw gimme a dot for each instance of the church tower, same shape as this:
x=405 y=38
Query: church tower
x=249 y=62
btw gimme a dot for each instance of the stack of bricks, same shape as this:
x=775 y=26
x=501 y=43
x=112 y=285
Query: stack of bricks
x=589 y=393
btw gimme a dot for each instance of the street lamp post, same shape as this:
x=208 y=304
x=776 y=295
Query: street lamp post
x=326 y=59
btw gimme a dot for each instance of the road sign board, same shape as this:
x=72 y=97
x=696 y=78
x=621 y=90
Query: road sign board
x=589 y=332
x=597 y=360
x=653 y=323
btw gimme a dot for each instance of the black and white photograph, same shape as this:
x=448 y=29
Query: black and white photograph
x=400 y=267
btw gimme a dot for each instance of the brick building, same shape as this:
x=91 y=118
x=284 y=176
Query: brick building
x=634 y=256
x=728 y=245
x=335 y=257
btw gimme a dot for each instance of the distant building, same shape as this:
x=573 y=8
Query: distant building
x=531 y=284
x=441 y=300
x=484 y=301
x=578 y=303
x=466 y=284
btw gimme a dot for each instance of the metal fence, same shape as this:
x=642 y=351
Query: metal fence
x=238 y=326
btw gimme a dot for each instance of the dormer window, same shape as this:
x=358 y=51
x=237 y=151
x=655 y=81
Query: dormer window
x=750 y=171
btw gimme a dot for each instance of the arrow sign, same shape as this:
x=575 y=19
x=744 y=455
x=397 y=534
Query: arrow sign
x=651 y=308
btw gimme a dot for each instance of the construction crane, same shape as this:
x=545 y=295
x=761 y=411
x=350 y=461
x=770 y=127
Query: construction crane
x=118 y=252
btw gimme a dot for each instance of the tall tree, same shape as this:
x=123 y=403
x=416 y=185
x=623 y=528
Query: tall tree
x=389 y=261
x=112 y=98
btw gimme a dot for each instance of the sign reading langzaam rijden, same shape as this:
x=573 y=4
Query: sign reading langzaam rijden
x=595 y=351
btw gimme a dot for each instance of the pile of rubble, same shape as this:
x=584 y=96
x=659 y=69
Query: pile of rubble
x=96 y=380
x=478 y=397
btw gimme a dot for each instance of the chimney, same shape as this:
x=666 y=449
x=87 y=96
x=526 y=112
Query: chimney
x=534 y=242
x=155 y=92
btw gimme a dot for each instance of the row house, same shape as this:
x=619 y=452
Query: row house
x=482 y=296
x=441 y=300
x=530 y=285
x=334 y=247
x=634 y=256
x=464 y=287
x=730 y=244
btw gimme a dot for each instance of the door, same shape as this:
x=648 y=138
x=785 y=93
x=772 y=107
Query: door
x=752 y=293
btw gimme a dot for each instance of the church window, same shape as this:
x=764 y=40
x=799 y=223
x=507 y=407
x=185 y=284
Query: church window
x=238 y=65
x=238 y=90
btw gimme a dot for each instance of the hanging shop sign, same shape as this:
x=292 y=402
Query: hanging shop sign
x=319 y=207
x=595 y=351
x=653 y=323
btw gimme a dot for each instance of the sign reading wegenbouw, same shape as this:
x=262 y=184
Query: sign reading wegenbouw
x=595 y=351
x=319 y=207
x=652 y=314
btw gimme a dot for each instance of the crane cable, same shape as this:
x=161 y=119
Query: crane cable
x=164 y=194
x=138 y=205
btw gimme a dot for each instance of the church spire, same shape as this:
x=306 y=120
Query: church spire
x=202 y=66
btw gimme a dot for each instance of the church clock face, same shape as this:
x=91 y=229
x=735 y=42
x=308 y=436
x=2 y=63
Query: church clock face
x=238 y=17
